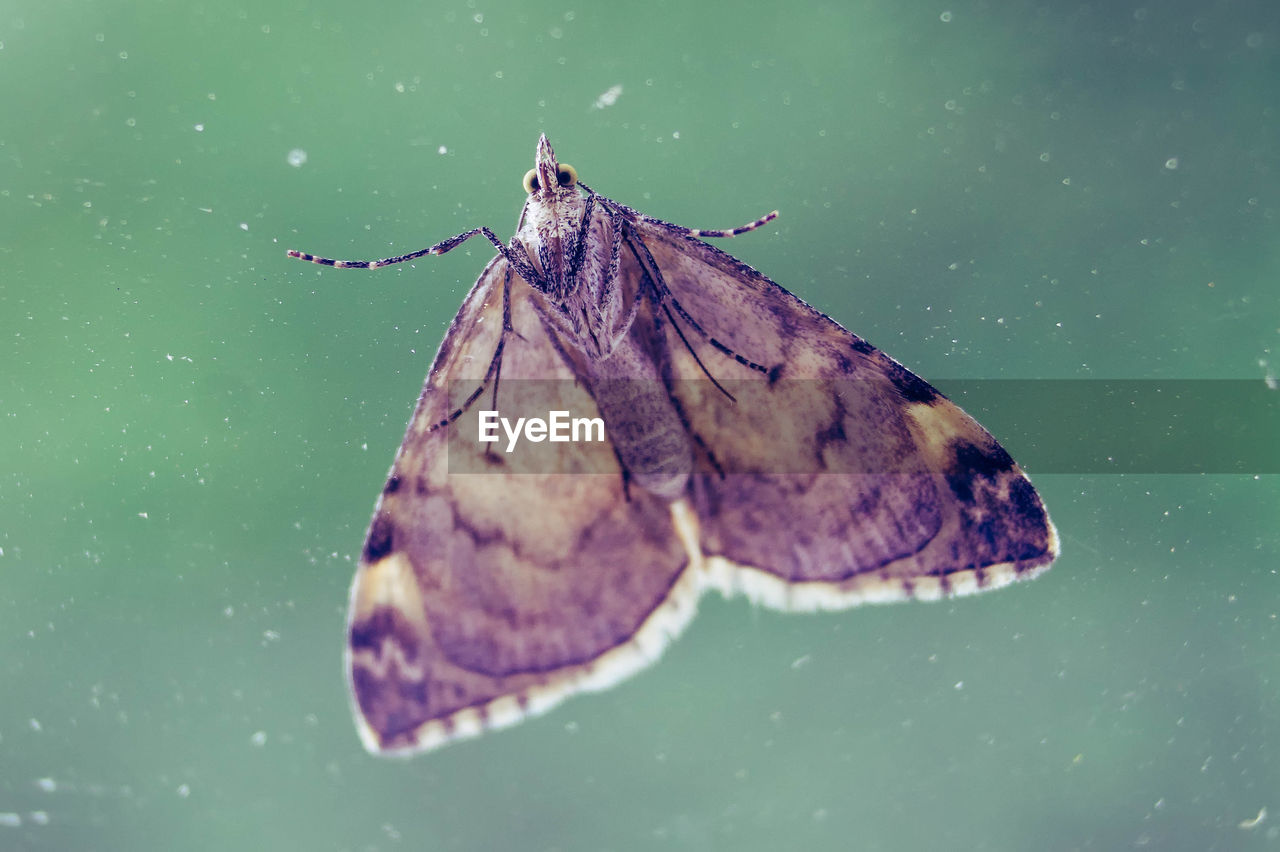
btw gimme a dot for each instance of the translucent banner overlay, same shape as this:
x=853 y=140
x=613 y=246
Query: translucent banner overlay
x=1064 y=426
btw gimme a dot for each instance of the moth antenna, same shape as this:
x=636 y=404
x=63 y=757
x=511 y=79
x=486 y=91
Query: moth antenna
x=693 y=232
x=439 y=248
x=731 y=232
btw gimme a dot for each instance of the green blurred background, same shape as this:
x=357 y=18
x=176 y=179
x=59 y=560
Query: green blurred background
x=193 y=428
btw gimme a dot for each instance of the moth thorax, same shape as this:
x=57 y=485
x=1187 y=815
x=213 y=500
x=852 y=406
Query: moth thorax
x=551 y=236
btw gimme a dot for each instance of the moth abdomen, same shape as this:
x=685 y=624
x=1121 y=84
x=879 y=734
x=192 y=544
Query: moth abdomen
x=648 y=434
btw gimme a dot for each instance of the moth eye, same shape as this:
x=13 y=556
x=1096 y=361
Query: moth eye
x=531 y=180
x=567 y=175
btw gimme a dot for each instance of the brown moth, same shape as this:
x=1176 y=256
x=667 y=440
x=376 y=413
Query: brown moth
x=754 y=446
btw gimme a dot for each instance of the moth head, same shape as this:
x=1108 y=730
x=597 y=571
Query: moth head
x=546 y=174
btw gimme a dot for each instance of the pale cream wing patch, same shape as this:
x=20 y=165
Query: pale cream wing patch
x=838 y=477
x=487 y=596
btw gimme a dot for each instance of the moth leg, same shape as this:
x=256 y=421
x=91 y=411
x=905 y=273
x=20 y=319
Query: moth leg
x=518 y=256
x=667 y=298
x=700 y=444
x=655 y=291
x=453 y=242
x=495 y=366
x=439 y=248
x=551 y=325
x=706 y=448
x=611 y=274
x=494 y=370
x=580 y=250
x=676 y=326
x=467 y=403
x=626 y=476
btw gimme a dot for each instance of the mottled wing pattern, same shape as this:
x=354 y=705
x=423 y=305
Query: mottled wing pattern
x=470 y=610
x=842 y=477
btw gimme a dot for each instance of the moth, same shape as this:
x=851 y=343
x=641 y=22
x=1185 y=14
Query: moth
x=752 y=446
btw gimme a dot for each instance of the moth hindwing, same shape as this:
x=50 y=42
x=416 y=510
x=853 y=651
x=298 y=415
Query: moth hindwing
x=747 y=443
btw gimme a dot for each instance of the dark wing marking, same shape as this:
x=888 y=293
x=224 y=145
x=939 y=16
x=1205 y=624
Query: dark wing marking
x=484 y=597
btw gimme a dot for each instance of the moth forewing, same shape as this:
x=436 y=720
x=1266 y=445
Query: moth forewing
x=752 y=445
